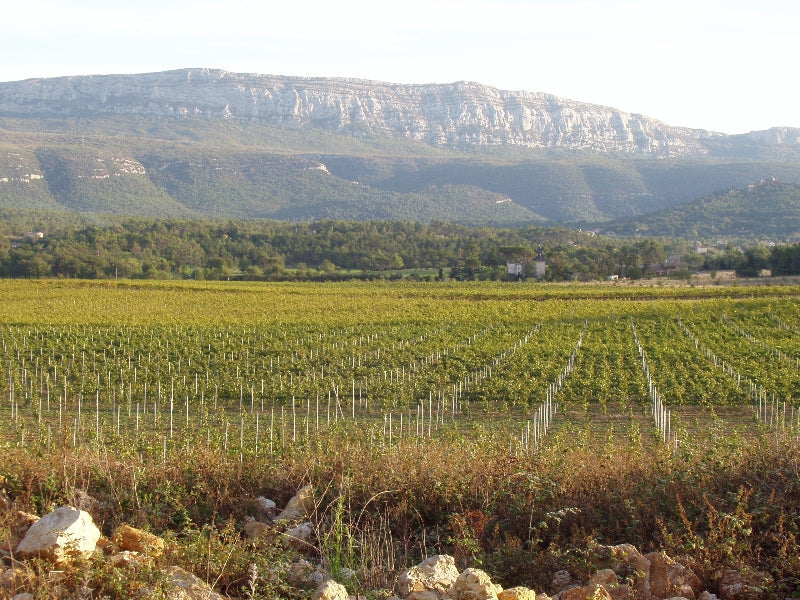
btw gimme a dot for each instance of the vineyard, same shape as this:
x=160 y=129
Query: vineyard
x=511 y=426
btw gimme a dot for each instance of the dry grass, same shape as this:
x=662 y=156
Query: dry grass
x=719 y=501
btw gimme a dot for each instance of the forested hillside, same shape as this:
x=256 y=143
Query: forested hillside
x=768 y=210
x=170 y=167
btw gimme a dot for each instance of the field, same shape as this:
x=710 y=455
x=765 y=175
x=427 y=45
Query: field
x=513 y=426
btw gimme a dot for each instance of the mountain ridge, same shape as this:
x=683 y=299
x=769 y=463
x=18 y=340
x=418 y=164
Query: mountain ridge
x=212 y=143
x=452 y=115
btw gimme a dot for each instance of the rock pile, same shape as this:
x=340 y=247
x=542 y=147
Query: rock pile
x=633 y=576
x=429 y=580
x=69 y=534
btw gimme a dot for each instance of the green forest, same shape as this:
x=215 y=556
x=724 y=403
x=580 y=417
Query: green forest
x=767 y=209
x=75 y=246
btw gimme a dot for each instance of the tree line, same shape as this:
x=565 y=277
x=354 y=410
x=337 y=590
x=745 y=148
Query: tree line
x=331 y=249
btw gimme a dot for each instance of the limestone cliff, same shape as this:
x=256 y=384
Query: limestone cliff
x=455 y=115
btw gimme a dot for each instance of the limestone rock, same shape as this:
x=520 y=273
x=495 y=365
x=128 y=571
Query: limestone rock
x=136 y=540
x=605 y=577
x=669 y=578
x=301 y=537
x=187 y=586
x=254 y=529
x=331 y=590
x=435 y=574
x=592 y=591
x=23 y=596
x=266 y=509
x=740 y=585
x=631 y=563
x=302 y=572
x=300 y=506
x=474 y=584
x=517 y=593
x=707 y=596
x=452 y=114
x=62 y=534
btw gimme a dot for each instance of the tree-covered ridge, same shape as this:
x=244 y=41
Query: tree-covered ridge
x=769 y=210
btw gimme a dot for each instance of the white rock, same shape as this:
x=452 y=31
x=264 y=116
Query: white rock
x=300 y=506
x=300 y=537
x=63 y=533
x=474 y=584
x=265 y=509
x=331 y=590
x=435 y=574
x=187 y=586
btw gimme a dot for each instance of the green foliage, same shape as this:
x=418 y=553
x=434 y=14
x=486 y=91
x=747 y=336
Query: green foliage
x=339 y=544
x=753 y=262
x=769 y=209
x=140 y=248
x=785 y=260
x=255 y=569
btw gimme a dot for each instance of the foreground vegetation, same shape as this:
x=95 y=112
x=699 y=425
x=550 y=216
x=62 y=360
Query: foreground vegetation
x=515 y=427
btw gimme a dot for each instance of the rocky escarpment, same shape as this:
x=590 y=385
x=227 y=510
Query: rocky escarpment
x=452 y=115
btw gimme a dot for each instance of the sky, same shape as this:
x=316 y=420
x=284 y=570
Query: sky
x=721 y=65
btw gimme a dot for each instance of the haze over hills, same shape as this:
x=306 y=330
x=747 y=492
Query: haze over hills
x=200 y=142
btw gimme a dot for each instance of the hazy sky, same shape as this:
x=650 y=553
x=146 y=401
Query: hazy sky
x=724 y=65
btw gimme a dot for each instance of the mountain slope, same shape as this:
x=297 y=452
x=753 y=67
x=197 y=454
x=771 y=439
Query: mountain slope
x=204 y=143
x=172 y=167
x=769 y=209
x=160 y=178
